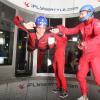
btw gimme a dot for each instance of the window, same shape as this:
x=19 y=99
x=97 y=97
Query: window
x=24 y=59
x=6 y=34
x=6 y=47
x=55 y=21
x=73 y=54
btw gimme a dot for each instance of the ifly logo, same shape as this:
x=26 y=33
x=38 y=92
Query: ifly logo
x=27 y=3
x=21 y=86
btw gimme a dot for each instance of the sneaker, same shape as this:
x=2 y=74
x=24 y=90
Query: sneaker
x=83 y=98
x=63 y=94
x=57 y=90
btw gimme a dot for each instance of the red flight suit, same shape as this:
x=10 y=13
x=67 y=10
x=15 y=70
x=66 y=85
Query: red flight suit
x=59 y=56
x=41 y=44
x=91 y=52
x=59 y=61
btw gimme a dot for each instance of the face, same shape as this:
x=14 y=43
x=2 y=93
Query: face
x=40 y=29
x=83 y=14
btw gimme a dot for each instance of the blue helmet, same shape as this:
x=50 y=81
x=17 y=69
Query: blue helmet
x=89 y=9
x=41 y=20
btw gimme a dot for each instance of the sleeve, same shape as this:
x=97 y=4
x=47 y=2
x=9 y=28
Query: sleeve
x=96 y=39
x=18 y=21
x=69 y=31
x=31 y=42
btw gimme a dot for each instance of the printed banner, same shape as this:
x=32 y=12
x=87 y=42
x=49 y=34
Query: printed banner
x=54 y=6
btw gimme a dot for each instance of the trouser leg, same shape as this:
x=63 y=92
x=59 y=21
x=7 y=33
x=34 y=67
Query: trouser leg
x=82 y=73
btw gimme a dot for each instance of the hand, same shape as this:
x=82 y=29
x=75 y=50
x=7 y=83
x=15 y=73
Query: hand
x=51 y=40
x=17 y=20
x=29 y=25
x=55 y=30
x=81 y=45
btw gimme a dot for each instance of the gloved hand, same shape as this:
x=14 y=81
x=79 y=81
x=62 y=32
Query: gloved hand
x=81 y=45
x=29 y=25
x=54 y=30
x=18 y=20
x=51 y=40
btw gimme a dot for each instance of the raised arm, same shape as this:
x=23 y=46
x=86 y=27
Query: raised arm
x=19 y=22
x=69 y=31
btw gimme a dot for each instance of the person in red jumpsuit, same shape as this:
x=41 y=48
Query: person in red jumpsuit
x=59 y=64
x=90 y=45
x=35 y=35
x=42 y=41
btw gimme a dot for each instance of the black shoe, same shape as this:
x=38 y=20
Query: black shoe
x=58 y=90
x=63 y=94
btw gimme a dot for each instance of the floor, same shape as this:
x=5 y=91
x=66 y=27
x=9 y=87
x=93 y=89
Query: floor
x=41 y=89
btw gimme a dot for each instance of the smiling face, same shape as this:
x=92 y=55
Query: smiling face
x=40 y=29
x=83 y=14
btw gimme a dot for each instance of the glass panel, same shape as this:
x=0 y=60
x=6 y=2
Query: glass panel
x=6 y=34
x=55 y=21
x=45 y=61
x=6 y=47
x=24 y=59
x=73 y=54
x=71 y=22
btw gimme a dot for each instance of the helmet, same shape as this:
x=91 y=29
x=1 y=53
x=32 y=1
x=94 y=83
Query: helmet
x=41 y=20
x=90 y=13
